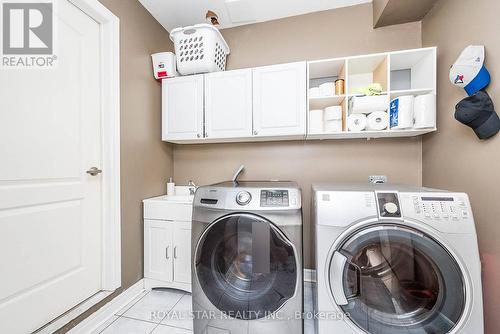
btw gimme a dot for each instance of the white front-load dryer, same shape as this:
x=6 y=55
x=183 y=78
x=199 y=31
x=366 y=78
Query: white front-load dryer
x=395 y=260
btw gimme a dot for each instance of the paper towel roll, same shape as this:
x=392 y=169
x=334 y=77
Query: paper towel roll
x=425 y=111
x=314 y=92
x=377 y=121
x=334 y=125
x=356 y=122
x=368 y=104
x=316 y=121
x=401 y=112
x=327 y=89
x=333 y=113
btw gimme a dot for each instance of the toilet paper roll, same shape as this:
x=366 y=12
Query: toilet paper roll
x=368 y=104
x=401 y=112
x=377 y=121
x=327 y=89
x=333 y=113
x=424 y=109
x=314 y=92
x=316 y=121
x=356 y=122
x=334 y=125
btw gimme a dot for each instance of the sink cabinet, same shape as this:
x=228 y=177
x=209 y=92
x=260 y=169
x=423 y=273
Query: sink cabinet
x=167 y=243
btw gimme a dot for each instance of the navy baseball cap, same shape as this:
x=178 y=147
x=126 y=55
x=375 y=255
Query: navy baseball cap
x=478 y=112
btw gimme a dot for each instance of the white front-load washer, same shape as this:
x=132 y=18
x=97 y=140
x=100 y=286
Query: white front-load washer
x=395 y=259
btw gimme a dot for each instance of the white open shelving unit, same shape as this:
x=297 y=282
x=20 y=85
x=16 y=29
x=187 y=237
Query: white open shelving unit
x=408 y=72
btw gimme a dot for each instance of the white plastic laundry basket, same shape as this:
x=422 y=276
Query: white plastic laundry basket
x=199 y=49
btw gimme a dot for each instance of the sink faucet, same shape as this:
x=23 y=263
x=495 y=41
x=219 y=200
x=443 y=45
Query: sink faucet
x=193 y=189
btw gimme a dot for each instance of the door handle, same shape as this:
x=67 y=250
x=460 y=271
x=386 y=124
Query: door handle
x=337 y=266
x=94 y=171
x=175 y=252
x=166 y=253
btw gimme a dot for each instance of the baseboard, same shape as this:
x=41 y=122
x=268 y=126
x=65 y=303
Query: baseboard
x=310 y=275
x=107 y=311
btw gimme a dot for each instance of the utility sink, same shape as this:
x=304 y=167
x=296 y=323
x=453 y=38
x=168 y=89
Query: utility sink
x=182 y=194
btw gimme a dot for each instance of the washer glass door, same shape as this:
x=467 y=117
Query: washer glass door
x=246 y=267
x=394 y=279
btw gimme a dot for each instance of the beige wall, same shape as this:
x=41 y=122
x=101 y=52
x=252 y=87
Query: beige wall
x=146 y=161
x=348 y=32
x=455 y=158
x=390 y=12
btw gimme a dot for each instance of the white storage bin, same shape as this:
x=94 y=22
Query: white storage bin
x=164 y=65
x=199 y=49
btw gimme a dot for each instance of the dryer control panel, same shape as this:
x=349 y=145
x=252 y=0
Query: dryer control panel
x=447 y=208
x=448 y=212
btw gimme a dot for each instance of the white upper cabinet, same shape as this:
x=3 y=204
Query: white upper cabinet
x=279 y=100
x=228 y=104
x=182 y=109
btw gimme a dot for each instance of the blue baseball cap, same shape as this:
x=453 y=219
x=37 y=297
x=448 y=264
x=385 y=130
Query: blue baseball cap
x=469 y=71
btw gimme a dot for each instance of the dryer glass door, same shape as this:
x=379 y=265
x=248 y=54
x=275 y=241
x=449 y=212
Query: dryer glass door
x=394 y=279
x=246 y=267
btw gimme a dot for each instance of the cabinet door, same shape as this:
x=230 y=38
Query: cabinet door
x=228 y=104
x=158 y=250
x=182 y=252
x=182 y=108
x=279 y=100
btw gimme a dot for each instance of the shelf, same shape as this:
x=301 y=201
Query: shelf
x=370 y=134
x=366 y=70
x=327 y=101
x=413 y=69
x=396 y=93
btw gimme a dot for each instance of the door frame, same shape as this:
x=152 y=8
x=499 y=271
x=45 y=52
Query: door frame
x=110 y=118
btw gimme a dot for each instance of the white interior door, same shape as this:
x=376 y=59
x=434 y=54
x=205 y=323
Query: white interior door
x=50 y=208
x=228 y=104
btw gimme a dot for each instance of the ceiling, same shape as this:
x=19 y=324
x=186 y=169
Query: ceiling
x=180 y=13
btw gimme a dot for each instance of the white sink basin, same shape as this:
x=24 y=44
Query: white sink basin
x=182 y=194
x=179 y=198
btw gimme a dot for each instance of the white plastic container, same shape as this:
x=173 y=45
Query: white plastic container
x=316 y=121
x=333 y=119
x=199 y=49
x=164 y=65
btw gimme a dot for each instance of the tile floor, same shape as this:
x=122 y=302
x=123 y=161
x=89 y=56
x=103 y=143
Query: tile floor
x=149 y=314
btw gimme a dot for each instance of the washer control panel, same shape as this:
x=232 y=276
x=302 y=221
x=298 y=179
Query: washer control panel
x=272 y=198
x=441 y=208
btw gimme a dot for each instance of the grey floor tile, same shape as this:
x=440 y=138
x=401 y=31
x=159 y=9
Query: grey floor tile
x=132 y=303
x=155 y=305
x=181 y=315
x=162 y=329
x=129 y=326
x=104 y=325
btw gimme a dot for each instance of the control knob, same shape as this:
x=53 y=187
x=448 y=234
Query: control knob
x=390 y=208
x=243 y=198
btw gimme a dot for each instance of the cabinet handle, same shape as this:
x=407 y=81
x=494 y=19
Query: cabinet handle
x=166 y=253
x=206 y=134
x=175 y=252
x=256 y=132
x=198 y=135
